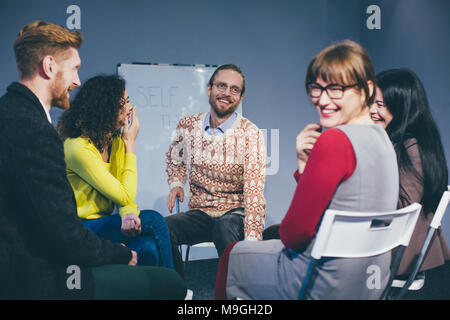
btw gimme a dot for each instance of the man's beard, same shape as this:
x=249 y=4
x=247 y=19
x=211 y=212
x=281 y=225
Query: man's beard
x=220 y=112
x=60 y=93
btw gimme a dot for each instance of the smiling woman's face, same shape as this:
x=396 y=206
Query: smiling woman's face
x=379 y=112
x=335 y=112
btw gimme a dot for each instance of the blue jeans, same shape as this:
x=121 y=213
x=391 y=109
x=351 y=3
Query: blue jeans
x=152 y=246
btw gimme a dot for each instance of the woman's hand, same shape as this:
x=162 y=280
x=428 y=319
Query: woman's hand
x=305 y=142
x=129 y=134
x=131 y=225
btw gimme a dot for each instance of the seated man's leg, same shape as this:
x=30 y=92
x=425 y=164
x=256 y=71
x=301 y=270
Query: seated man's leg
x=153 y=244
x=228 y=228
x=189 y=228
x=271 y=232
x=126 y=282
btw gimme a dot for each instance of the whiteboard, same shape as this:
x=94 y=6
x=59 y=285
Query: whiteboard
x=162 y=94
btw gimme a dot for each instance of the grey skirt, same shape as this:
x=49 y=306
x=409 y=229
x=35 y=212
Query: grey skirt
x=266 y=270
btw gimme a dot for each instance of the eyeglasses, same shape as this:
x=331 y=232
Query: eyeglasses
x=222 y=87
x=334 y=91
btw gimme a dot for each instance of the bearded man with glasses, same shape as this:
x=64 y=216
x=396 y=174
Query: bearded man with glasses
x=222 y=154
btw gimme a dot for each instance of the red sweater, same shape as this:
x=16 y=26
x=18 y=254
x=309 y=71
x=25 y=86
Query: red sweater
x=332 y=161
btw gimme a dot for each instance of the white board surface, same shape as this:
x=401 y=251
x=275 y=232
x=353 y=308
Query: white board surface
x=162 y=94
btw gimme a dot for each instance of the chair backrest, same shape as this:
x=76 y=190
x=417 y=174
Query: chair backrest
x=346 y=234
x=364 y=234
x=434 y=225
x=440 y=211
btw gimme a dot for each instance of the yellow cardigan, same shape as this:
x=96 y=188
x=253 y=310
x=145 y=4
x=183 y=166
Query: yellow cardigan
x=97 y=185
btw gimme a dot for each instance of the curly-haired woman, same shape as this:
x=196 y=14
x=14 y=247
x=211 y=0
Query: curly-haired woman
x=101 y=167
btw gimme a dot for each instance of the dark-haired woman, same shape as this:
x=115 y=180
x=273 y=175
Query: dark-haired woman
x=101 y=167
x=401 y=107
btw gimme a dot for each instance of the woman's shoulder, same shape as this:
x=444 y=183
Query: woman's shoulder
x=412 y=149
x=73 y=146
x=411 y=144
x=334 y=141
x=333 y=135
x=77 y=142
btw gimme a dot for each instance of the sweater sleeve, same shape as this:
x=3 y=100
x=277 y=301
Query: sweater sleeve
x=176 y=157
x=254 y=179
x=332 y=161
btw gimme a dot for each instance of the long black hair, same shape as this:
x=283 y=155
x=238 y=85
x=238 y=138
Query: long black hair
x=94 y=111
x=405 y=97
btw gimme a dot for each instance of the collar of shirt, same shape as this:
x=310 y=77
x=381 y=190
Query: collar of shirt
x=220 y=129
x=46 y=111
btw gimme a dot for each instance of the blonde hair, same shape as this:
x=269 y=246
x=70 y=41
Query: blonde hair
x=41 y=38
x=344 y=63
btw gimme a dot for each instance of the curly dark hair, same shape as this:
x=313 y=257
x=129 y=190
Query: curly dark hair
x=94 y=111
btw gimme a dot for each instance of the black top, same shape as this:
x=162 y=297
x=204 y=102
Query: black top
x=40 y=232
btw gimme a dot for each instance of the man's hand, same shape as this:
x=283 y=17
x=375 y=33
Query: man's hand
x=305 y=142
x=131 y=225
x=133 y=260
x=174 y=193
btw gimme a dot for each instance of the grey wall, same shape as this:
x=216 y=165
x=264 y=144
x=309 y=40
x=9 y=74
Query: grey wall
x=271 y=40
x=416 y=34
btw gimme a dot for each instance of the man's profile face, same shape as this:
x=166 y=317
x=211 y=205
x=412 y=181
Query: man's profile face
x=224 y=94
x=66 y=78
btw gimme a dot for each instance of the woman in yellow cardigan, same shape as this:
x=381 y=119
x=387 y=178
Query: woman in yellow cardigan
x=101 y=168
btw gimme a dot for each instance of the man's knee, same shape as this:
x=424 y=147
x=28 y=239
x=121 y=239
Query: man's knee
x=227 y=229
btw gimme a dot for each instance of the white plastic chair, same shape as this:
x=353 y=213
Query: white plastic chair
x=414 y=282
x=345 y=234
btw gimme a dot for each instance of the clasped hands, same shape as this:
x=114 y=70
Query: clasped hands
x=131 y=227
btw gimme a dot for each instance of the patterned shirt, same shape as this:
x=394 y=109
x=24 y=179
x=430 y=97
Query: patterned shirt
x=225 y=171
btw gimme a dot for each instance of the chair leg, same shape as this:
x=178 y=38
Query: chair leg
x=306 y=280
x=186 y=257
x=394 y=267
x=419 y=262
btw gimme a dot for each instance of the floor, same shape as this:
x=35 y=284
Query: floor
x=437 y=285
x=201 y=277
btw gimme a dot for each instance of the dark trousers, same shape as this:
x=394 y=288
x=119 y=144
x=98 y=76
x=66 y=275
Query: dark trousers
x=271 y=232
x=195 y=226
x=137 y=283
